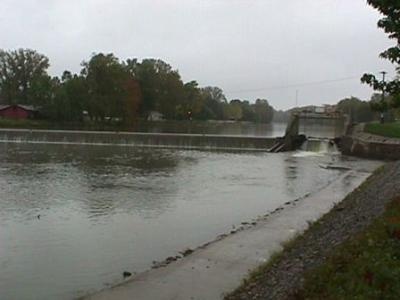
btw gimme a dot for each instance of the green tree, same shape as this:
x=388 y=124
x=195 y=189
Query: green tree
x=74 y=92
x=106 y=80
x=161 y=86
x=19 y=69
x=390 y=23
x=263 y=111
x=233 y=110
x=358 y=110
x=193 y=101
x=248 y=112
x=214 y=101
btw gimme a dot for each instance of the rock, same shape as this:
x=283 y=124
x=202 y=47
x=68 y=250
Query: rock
x=339 y=208
x=187 y=252
x=126 y=274
x=170 y=259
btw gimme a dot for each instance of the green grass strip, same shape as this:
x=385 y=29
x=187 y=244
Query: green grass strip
x=365 y=267
x=387 y=129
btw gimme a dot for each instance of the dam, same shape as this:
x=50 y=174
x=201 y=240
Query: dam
x=139 y=139
x=310 y=125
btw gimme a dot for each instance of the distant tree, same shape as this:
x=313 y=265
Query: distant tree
x=105 y=78
x=358 y=110
x=281 y=116
x=193 y=103
x=133 y=100
x=390 y=23
x=214 y=101
x=112 y=91
x=248 y=111
x=161 y=86
x=19 y=69
x=263 y=111
x=233 y=110
x=74 y=95
x=43 y=94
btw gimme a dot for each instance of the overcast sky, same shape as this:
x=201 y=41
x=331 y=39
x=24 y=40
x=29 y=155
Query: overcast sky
x=250 y=48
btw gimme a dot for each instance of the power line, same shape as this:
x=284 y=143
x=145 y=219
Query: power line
x=279 y=87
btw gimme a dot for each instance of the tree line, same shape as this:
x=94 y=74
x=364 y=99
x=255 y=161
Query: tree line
x=108 y=89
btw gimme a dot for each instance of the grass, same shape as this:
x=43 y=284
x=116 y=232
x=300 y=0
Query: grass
x=388 y=129
x=365 y=267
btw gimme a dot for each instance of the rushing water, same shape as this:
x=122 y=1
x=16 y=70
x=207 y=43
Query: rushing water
x=73 y=218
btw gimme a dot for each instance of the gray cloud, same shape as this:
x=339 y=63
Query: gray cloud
x=247 y=47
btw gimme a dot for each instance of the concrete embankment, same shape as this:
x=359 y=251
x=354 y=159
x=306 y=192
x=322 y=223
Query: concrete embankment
x=162 y=140
x=211 y=271
x=362 y=144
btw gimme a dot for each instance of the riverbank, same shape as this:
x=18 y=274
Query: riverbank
x=218 y=267
x=364 y=267
x=283 y=276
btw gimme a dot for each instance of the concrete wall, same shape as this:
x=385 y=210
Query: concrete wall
x=312 y=125
x=184 y=141
x=359 y=143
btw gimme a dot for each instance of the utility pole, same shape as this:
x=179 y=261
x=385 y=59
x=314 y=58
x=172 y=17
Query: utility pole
x=383 y=96
x=297 y=97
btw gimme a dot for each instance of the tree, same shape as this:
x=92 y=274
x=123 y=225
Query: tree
x=74 y=94
x=161 y=86
x=263 y=111
x=214 y=101
x=106 y=81
x=19 y=69
x=248 y=111
x=359 y=111
x=390 y=23
x=234 y=111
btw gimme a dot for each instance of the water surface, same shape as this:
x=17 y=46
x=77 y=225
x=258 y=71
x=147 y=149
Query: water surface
x=73 y=218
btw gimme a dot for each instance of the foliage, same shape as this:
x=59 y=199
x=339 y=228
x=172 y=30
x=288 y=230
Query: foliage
x=108 y=90
x=366 y=267
x=390 y=23
x=358 y=110
x=263 y=111
x=19 y=72
x=387 y=129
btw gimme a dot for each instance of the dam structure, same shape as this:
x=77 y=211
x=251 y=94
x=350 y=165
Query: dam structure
x=139 y=139
x=311 y=126
x=300 y=127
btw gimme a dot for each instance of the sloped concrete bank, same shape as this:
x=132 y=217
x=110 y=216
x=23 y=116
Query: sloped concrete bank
x=215 y=269
x=362 y=144
x=285 y=275
x=138 y=139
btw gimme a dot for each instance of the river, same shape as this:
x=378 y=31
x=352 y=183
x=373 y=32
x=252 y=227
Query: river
x=74 y=217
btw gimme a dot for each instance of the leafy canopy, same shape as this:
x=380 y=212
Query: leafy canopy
x=390 y=23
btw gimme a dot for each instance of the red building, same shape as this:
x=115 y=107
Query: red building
x=17 y=111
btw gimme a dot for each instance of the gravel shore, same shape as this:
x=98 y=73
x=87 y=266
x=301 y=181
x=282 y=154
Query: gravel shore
x=286 y=274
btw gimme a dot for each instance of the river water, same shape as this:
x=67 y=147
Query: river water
x=73 y=218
